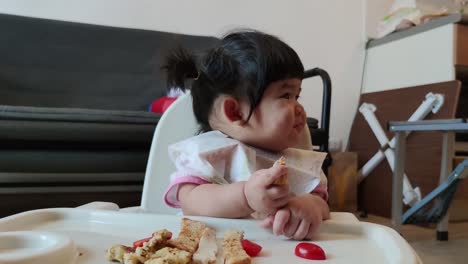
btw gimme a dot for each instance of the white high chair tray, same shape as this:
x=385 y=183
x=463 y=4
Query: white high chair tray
x=93 y=231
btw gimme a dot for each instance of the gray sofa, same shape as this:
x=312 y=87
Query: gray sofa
x=74 y=120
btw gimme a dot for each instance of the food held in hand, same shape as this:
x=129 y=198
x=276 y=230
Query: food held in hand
x=283 y=179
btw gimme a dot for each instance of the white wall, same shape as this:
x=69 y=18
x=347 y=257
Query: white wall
x=326 y=33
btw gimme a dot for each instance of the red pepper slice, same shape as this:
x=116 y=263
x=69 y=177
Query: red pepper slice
x=309 y=251
x=139 y=243
x=252 y=249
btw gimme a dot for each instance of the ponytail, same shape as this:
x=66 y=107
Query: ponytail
x=180 y=65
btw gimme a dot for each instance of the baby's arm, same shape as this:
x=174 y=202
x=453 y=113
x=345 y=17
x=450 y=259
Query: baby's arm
x=214 y=200
x=238 y=199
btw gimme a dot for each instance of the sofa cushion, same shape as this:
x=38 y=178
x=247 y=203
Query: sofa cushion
x=8 y=112
x=76 y=125
x=52 y=63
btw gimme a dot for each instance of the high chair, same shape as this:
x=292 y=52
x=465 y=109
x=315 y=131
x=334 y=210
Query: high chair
x=178 y=123
x=91 y=230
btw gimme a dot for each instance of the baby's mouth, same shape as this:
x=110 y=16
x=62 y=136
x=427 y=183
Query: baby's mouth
x=299 y=126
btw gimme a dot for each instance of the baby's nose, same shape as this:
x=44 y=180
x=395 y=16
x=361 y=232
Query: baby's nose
x=299 y=109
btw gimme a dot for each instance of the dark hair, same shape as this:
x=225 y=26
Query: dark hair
x=242 y=65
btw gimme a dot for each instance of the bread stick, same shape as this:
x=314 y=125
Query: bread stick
x=232 y=248
x=283 y=179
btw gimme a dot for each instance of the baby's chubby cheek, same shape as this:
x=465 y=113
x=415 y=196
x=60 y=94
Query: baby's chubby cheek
x=284 y=122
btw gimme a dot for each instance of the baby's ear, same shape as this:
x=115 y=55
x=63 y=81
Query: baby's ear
x=232 y=109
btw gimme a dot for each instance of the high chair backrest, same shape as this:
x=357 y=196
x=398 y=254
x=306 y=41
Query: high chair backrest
x=176 y=124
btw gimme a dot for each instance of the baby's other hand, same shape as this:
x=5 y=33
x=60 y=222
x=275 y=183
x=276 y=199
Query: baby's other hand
x=300 y=219
x=262 y=195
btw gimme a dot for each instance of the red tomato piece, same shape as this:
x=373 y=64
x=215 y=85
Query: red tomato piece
x=309 y=251
x=139 y=243
x=252 y=249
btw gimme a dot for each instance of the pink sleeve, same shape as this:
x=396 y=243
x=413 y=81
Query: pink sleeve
x=171 y=194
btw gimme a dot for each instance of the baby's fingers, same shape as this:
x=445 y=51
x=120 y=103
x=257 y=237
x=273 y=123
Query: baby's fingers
x=313 y=227
x=268 y=222
x=279 y=203
x=302 y=230
x=278 y=192
x=291 y=227
x=280 y=221
x=273 y=173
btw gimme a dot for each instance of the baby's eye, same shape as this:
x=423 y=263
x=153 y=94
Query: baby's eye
x=286 y=96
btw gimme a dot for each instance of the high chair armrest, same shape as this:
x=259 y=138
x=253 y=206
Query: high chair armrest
x=343 y=217
x=100 y=206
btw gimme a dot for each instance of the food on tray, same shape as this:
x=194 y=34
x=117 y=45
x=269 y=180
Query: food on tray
x=232 y=248
x=117 y=252
x=309 y=251
x=283 y=179
x=207 y=248
x=140 y=242
x=251 y=248
x=169 y=255
x=141 y=250
x=189 y=235
x=157 y=241
x=133 y=258
x=196 y=244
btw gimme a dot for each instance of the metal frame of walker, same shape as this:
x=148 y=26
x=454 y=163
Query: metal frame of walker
x=449 y=181
x=432 y=103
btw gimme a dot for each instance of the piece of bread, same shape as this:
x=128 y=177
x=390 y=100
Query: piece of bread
x=133 y=258
x=117 y=252
x=189 y=235
x=158 y=240
x=232 y=248
x=169 y=255
x=207 y=248
x=283 y=179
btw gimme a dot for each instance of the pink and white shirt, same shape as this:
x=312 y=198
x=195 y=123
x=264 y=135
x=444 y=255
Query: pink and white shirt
x=213 y=157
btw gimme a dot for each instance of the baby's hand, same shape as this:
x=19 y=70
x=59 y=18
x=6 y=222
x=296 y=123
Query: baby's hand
x=300 y=219
x=262 y=195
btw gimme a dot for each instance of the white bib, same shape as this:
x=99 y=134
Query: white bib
x=217 y=158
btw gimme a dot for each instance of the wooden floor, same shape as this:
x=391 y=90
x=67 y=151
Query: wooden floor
x=431 y=251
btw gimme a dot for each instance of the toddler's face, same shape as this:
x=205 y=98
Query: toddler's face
x=279 y=119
